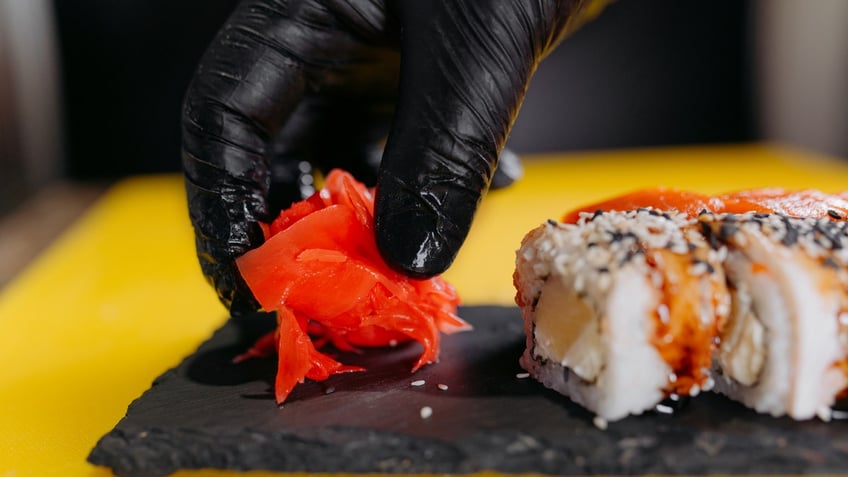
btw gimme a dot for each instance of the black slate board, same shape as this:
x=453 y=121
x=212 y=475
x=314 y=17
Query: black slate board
x=210 y=413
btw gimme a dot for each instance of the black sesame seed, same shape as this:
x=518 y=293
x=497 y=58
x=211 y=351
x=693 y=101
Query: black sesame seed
x=597 y=213
x=630 y=255
x=695 y=262
x=707 y=231
x=791 y=236
x=829 y=262
x=603 y=270
x=552 y=222
x=834 y=214
x=726 y=230
x=761 y=216
x=831 y=232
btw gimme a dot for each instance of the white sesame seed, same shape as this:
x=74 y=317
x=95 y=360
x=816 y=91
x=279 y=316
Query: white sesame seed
x=694 y=390
x=419 y=382
x=522 y=375
x=443 y=387
x=600 y=423
x=699 y=268
x=824 y=413
x=663 y=313
x=426 y=412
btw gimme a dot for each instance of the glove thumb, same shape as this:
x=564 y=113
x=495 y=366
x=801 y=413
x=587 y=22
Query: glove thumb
x=465 y=68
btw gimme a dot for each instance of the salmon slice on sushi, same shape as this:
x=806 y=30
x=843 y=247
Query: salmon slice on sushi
x=621 y=309
x=784 y=345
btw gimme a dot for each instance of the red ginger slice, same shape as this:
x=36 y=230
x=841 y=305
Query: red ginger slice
x=321 y=271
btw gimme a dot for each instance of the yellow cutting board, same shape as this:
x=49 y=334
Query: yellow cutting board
x=119 y=298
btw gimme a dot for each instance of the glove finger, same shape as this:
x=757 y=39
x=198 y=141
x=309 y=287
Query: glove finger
x=242 y=93
x=464 y=73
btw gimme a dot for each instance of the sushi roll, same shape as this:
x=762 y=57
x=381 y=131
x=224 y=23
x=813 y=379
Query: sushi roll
x=621 y=309
x=783 y=348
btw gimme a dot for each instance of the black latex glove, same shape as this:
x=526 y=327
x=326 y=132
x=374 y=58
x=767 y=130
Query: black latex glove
x=288 y=83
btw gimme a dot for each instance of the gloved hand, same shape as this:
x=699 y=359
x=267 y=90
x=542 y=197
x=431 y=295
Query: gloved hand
x=290 y=83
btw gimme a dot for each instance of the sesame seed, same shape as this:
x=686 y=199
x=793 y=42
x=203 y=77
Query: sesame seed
x=834 y=214
x=694 y=390
x=790 y=237
x=419 y=382
x=600 y=423
x=522 y=375
x=699 y=267
x=426 y=412
x=663 y=313
x=726 y=230
x=443 y=387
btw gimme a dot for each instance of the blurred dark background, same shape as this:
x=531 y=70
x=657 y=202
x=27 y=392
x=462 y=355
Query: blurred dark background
x=646 y=72
x=125 y=67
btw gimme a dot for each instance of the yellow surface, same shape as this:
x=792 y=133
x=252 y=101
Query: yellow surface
x=119 y=297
